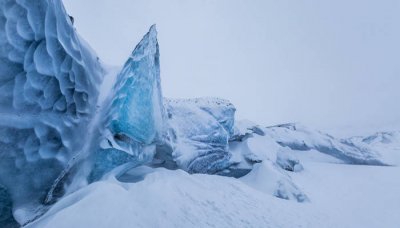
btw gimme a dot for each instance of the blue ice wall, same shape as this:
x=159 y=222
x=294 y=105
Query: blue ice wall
x=48 y=90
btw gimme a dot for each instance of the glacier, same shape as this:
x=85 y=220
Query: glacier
x=58 y=137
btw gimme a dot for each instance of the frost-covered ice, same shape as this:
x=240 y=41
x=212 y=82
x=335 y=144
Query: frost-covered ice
x=200 y=131
x=49 y=83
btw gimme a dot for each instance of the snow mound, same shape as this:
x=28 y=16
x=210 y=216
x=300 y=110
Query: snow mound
x=163 y=198
x=268 y=178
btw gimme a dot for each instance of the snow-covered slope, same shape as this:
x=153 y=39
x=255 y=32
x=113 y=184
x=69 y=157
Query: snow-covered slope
x=341 y=196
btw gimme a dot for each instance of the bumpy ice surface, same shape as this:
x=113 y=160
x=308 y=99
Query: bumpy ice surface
x=48 y=89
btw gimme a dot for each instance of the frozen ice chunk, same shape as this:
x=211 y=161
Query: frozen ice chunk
x=49 y=87
x=133 y=118
x=200 y=131
x=136 y=108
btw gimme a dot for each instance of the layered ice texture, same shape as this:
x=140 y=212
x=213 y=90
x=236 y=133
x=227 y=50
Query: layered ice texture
x=132 y=121
x=136 y=109
x=49 y=84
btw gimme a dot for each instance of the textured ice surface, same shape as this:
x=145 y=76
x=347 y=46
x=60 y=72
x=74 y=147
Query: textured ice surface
x=136 y=109
x=200 y=131
x=48 y=90
x=133 y=116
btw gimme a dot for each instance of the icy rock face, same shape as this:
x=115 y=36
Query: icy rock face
x=200 y=131
x=48 y=90
x=133 y=118
x=299 y=138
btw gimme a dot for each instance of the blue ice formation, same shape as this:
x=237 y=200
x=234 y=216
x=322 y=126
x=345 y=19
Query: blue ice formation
x=49 y=83
x=200 y=130
x=133 y=118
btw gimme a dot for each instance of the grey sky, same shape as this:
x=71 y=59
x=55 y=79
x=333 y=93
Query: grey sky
x=334 y=65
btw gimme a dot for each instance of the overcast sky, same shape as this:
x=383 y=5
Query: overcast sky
x=333 y=64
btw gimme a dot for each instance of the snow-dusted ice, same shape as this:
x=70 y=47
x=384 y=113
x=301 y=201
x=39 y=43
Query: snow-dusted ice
x=200 y=130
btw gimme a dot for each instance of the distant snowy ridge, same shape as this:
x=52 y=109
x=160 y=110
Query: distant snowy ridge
x=386 y=143
x=298 y=137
